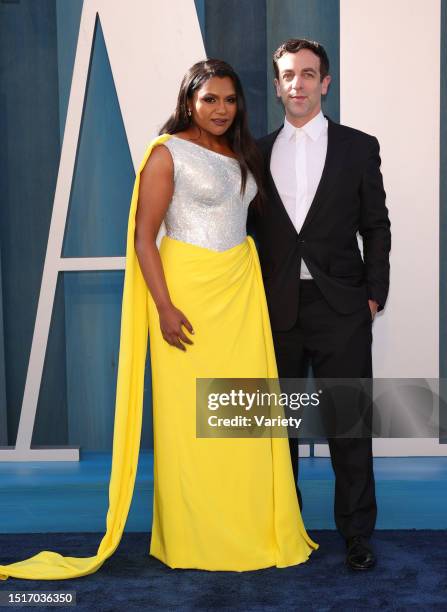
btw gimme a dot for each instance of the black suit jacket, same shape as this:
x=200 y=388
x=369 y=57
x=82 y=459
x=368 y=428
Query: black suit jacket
x=350 y=198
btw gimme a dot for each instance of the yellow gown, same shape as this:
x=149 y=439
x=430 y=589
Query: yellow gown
x=219 y=504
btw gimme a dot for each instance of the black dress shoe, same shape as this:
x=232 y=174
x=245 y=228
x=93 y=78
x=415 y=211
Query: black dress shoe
x=359 y=555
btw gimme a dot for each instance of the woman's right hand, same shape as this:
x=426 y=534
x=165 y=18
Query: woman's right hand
x=171 y=322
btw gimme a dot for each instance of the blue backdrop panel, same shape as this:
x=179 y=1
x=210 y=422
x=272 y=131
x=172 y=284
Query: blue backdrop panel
x=68 y=19
x=443 y=199
x=3 y=414
x=93 y=307
x=104 y=175
x=315 y=19
x=200 y=10
x=50 y=427
x=93 y=303
x=235 y=32
x=29 y=158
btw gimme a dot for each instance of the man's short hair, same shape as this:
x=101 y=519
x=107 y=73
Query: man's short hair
x=293 y=45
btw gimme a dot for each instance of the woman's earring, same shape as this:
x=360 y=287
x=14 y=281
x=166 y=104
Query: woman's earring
x=189 y=112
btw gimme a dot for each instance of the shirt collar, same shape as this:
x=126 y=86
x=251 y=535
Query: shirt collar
x=313 y=128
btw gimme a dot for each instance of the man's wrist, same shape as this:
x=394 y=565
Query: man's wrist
x=373 y=306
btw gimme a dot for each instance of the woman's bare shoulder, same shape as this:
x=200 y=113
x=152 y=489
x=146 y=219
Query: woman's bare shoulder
x=160 y=160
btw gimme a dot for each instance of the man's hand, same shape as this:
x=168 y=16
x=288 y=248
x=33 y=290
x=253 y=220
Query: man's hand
x=373 y=306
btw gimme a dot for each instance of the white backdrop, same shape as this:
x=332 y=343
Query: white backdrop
x=390 y=87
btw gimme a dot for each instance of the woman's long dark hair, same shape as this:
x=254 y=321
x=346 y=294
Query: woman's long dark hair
x=239 y=138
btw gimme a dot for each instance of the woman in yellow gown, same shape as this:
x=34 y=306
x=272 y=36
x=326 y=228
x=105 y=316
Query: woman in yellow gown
x=220 y=503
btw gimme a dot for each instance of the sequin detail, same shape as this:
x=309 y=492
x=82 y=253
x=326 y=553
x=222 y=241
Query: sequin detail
x=207 y=208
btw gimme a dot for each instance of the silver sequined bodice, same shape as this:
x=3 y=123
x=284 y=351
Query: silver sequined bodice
x=207 y=208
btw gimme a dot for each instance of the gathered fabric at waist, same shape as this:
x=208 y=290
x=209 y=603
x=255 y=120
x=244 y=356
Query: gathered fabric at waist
x=187 y=253
x=206 y=238
x=210 y=278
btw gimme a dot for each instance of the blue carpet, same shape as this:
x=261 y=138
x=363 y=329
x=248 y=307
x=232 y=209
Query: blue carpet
x=411 y=574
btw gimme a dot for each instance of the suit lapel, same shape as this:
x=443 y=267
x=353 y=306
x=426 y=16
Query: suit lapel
x=337 y=146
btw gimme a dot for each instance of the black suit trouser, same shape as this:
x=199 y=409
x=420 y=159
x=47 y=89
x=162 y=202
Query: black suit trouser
x=336 y=346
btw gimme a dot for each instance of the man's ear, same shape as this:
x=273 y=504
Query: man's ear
x=277 y=89
x=325 y=84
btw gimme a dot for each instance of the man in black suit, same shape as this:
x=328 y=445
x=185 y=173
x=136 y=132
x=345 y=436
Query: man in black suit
x=324 y=186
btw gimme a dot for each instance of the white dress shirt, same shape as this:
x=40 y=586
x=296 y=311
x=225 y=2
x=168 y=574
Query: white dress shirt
x=297 y=162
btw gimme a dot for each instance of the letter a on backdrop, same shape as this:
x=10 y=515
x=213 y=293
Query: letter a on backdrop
x=147 y=74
